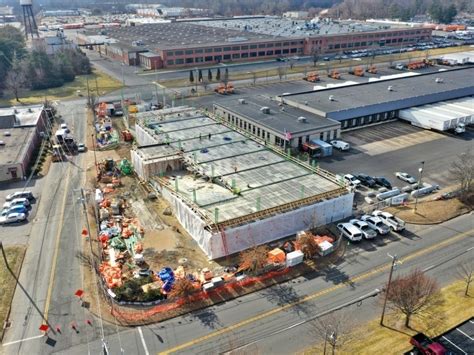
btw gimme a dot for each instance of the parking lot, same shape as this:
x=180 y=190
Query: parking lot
x=397 y=146
x=459 y=340
x=18 y=233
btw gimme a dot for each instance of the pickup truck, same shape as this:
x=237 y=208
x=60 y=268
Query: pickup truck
x=390 y=220
x=426 y=345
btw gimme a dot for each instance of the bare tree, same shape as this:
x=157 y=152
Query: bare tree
x=281 y=72
x=413 y=294
x=309 y=247
x=466 y=274
x=254 y=78
x=334 y=329
x=15 y=79
x=314 y=56
x=183 y=288
x=205 y=84
x=292 y=63
x=254 y=259
x=462 y=171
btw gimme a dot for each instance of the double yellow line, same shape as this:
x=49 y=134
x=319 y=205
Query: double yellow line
x=317 y=294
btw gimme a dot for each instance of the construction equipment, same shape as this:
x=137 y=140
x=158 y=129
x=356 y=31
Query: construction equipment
x=334 y=74
x=416 y=65
x=224 y=89
x=312 y=77
x=372 y=69
x=357 y=71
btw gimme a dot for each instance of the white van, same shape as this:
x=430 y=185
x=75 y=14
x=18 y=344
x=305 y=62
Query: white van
x=341 y=145
x=350 y=231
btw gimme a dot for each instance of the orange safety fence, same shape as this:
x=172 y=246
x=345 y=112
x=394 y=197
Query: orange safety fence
x=141 y=315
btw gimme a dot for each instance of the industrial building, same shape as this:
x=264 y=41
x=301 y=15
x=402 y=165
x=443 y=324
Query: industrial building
x=373 y=102
x=20 y=136
x=276 y=123
x=228 y=189
x=208 y=41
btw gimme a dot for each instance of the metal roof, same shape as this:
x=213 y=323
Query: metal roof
x=280 y=119
x=375 y=97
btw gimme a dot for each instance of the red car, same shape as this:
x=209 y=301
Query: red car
x=426 y=345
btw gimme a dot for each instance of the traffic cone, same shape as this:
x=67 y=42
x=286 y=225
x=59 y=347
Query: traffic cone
x=88 y=321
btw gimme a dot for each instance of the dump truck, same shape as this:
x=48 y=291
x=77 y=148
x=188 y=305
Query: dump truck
x=427 y=346
x=334 y=74
x=357 y=71
x=224 y=89
x=312 y=77
x=372 y=69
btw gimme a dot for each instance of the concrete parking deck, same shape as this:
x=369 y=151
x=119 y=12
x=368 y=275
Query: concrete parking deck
x=248 y=176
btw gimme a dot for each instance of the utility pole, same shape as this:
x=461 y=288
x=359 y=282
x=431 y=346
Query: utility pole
x=420 y=170
x=394 y=261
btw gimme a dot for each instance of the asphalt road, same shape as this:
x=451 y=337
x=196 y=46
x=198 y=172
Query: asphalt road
x=270 y=321
x=51 y=272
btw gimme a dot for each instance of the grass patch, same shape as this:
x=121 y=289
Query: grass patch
x=308 y=67
x=105 y=83
x=430 y=212
x=371 y=338
x=14 y=255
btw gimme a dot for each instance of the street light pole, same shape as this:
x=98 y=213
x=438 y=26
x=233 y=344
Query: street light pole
x=420 y=170
x=394 y=261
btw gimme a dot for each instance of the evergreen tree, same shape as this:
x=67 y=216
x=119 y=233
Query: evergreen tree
x=209 y=74
x=200 y=75
x=191 y=76
x=218 y=74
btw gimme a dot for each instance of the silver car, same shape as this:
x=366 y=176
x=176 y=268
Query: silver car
x=368 y=232
x=376 y=223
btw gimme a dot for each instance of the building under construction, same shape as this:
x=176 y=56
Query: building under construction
x=227 y=188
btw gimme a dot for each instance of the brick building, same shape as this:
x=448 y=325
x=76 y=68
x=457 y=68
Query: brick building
x=194 y=43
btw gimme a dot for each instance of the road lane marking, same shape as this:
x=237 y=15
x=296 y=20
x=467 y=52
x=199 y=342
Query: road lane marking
x=143 y=340
x=56 y=247
x=316 y=295
x=450 y=342
x=460 y=331
x=22 y=340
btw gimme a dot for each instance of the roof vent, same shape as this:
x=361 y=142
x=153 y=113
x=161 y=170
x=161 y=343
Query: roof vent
x=265 y=110
x=332 y=98
x=30 y=110
x=242 y=101
x=302 y=119
x=390 y=88
x=306 y=103
x=439 y=80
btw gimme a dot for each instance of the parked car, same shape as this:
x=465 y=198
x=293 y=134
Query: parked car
x=12 y=218
x=366 y=180
x=350 y=231
x=367 y=232
x=326 y=59
x=376 y=223
x=405 y=177
x=390 y=220
x=81 y=147
x=341 y=145
x=20 y=194
x=380 y=180
x=14 y=209
x=427 y=346
x=17 y=201
x=351 y=180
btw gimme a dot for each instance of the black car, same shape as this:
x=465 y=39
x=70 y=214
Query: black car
x=380 y=180
x=366 y=180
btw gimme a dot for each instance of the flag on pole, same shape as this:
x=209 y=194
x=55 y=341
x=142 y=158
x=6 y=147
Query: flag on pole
x=287 y=135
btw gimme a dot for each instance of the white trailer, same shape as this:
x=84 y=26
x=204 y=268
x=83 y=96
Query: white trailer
x=445 y=116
